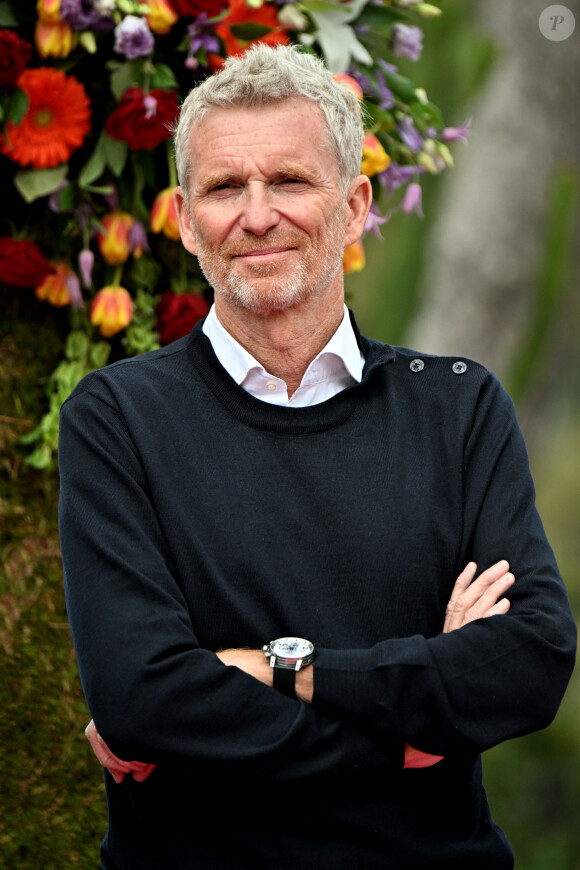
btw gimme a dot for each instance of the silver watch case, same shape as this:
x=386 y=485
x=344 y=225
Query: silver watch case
x=292 y=653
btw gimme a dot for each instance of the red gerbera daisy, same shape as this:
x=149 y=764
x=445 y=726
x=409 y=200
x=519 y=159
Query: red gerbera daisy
x=56 y=123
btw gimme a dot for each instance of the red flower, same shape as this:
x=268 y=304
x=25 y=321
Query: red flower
x=22 y=263
x=143 y=120
x=14 y=55
x=56 y=123
x=196 y=7
x=177 y=314
x=240 y=13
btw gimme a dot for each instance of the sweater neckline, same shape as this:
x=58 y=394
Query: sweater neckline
x=293 y=421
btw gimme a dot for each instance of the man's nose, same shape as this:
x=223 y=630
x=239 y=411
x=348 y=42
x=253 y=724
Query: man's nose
x=258 y=212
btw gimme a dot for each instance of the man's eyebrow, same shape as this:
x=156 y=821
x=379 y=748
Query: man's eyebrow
x=295 y=170
x=215 y=180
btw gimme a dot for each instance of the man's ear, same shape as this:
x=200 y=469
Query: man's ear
x=184 y=219
x=359 y=199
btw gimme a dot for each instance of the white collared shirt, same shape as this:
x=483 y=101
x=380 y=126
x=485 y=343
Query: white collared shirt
x=337 y=366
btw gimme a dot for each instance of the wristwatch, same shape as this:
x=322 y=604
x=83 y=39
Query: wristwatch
x=287 y=655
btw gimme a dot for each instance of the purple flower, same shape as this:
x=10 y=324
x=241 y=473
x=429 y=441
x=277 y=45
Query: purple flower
x=82 y=15
x=374 y=222
x=457 y=134
x=138 y=237
x=396 y=176
x=133 y=38
x=202 y=35
x=409 y=134
x=407 y=41
x=413 y=199
x=385 y=95
x=86 y=263
x=73 y=285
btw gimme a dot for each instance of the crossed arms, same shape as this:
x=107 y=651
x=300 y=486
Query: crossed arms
x=469 y=601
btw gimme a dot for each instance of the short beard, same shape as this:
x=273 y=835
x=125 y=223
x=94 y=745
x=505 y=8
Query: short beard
x=289 y=291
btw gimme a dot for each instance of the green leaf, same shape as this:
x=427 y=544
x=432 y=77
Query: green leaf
x=401 y=86
x=17 y=106
x=66 y=198
x=34 y=183
x=99 y=354
x=116 y=153
x=249 y=31
x=163 y=77
x=77 y=345
x=123 y=76
x=40 y=458
x=95 y=165
x=380 y=18
x=7 y=16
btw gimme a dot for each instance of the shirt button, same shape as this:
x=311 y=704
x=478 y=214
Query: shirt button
x=271 y=386
x=459 y=367
x=417 y=365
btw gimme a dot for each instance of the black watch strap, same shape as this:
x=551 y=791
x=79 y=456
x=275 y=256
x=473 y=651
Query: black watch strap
x=285 y=681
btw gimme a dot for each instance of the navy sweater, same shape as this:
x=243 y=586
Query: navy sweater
x=195 y=517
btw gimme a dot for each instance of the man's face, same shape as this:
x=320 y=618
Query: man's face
x=267 y=218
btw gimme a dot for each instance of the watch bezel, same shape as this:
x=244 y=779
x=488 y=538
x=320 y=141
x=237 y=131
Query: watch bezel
x=291 y=662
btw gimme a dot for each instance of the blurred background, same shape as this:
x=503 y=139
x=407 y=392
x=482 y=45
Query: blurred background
x=492 y=272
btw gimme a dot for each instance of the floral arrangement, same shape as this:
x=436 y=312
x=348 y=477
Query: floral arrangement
x=89 y=90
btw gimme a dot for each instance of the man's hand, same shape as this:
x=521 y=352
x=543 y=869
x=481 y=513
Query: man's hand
x=117 y=768
x=255 y=663
x=482 y=598
x=469 y=601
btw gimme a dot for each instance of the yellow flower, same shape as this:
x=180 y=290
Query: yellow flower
x=54 y=287
x=161 y=16
x=353 y=258
x=48 y=11
x=163 y=216
x=111 y=310
x=375 y=158
x=114 y=243
x=53 y=39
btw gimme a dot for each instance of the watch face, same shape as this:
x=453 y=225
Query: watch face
x=291 y=647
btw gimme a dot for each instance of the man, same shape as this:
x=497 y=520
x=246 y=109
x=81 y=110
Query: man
x=277 y=480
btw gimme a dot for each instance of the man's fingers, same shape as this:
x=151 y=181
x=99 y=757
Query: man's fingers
x=478 y=599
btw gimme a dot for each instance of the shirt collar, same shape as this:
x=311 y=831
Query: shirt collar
x=341 y=352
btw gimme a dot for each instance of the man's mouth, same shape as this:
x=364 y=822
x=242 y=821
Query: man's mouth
x=265 y=252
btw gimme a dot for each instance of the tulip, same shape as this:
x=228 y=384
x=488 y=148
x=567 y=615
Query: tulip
x=351 y=83
x=48 y=11
x=375 y=158
x=86 y=263
x=53 y=40
x=161 y=16
x=353 y=258
x=164 y=215
x=114 y=243
x=111 y=310
x=54 y=288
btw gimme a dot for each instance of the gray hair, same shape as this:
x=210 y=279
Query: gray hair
x=265 y=75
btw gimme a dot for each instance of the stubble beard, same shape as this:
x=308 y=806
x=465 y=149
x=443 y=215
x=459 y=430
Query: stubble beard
x=310 y=276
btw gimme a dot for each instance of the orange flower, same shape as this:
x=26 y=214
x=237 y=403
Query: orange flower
x=241 y=13
x=353 y=258
x=163 y=216
x=53 y=40
x=48 y=11
x=56 y=123
x=351 y=83
x=54 y=288
x=111 y=310
x=115 y=242
x=374 y=157
x=161 y=16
